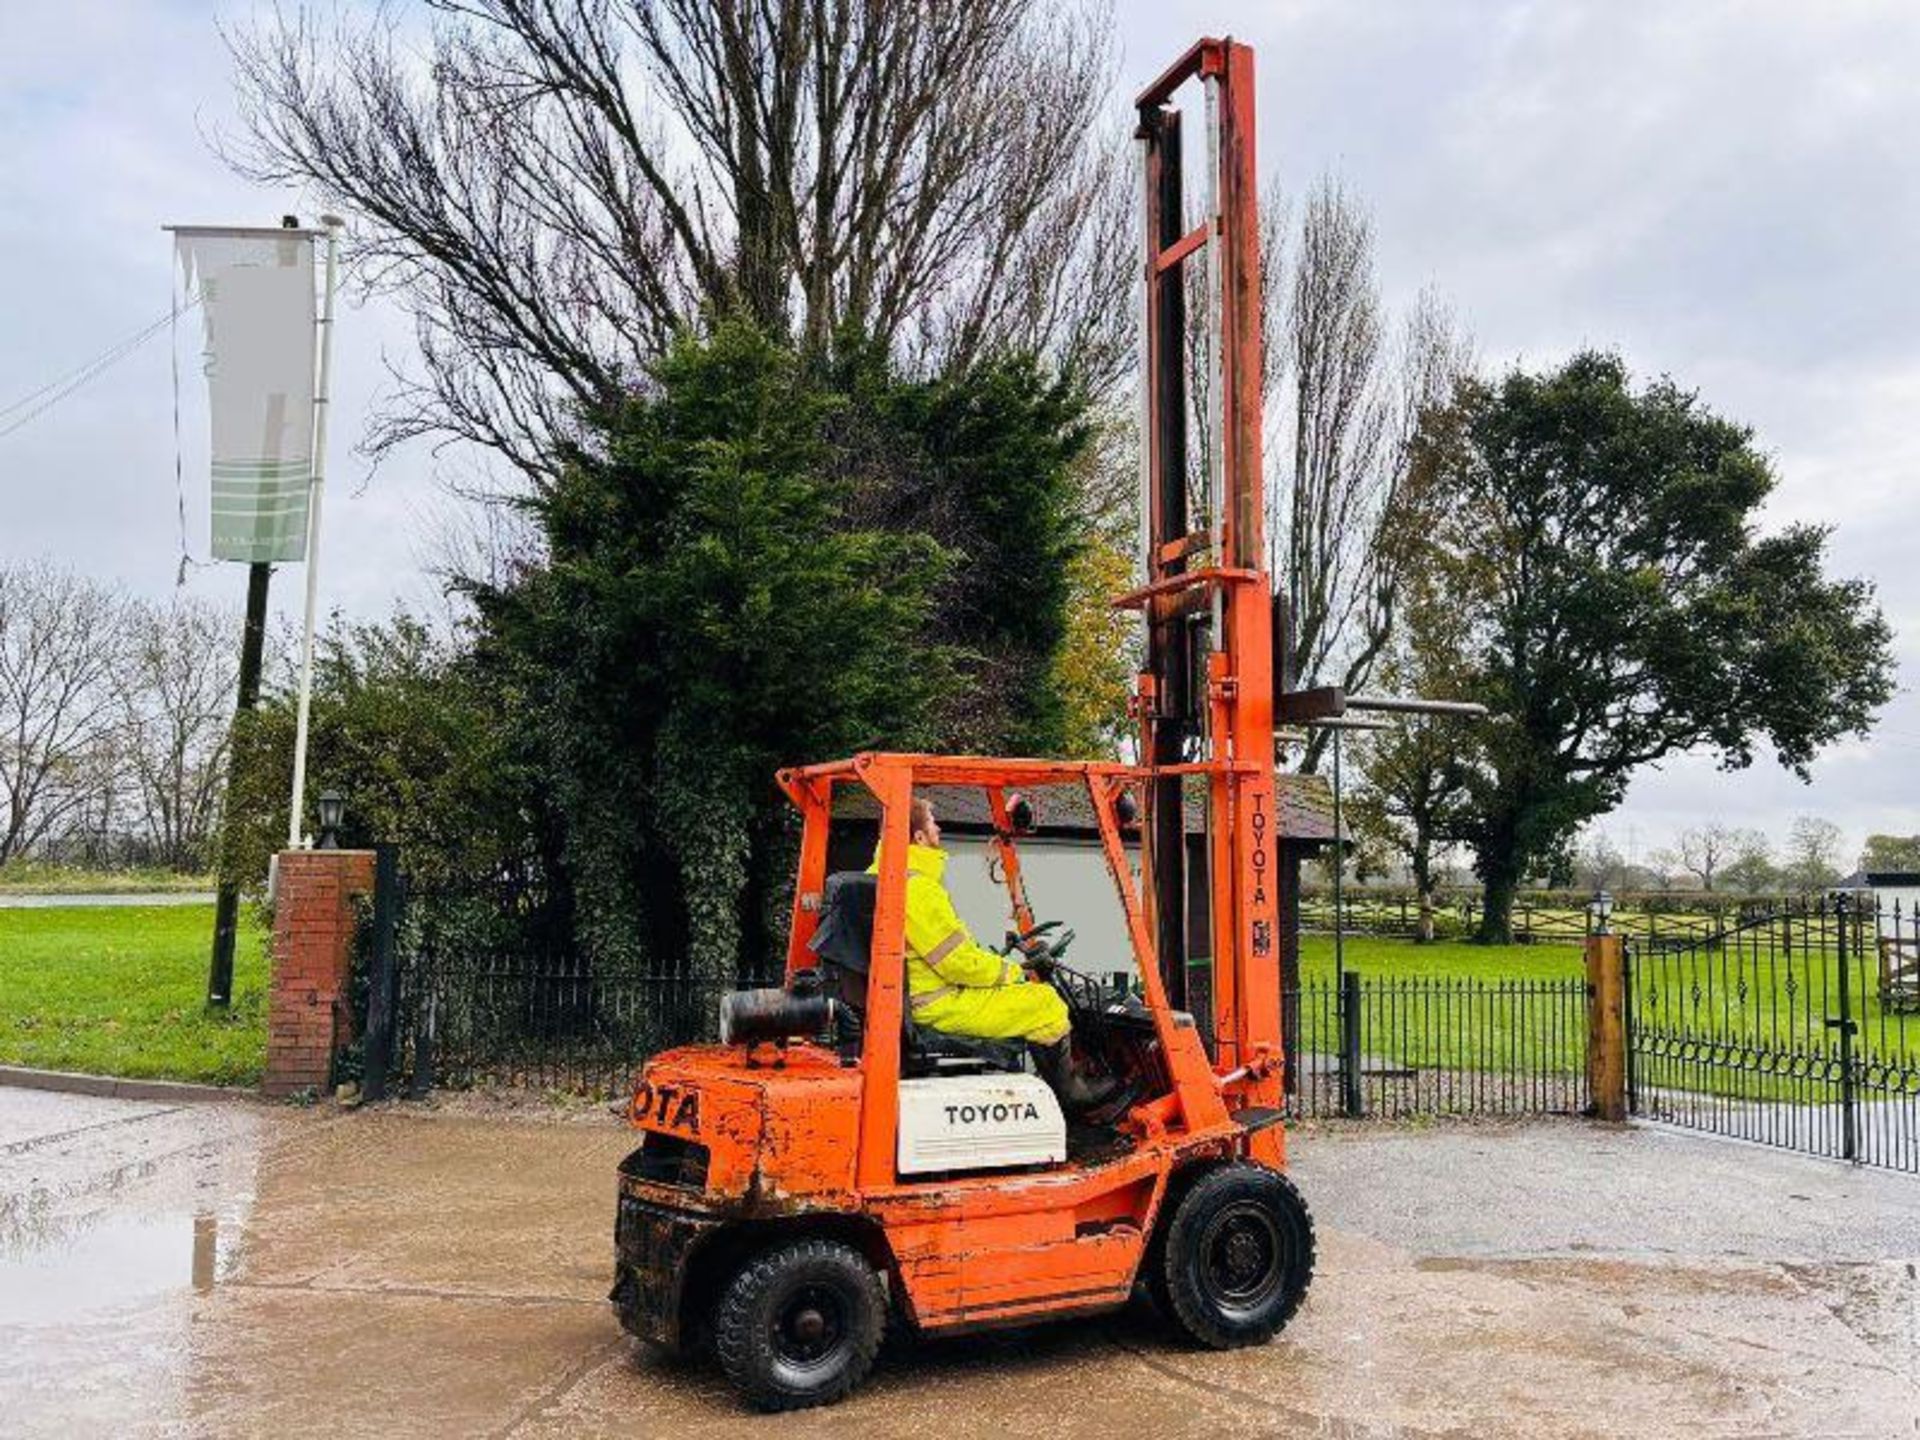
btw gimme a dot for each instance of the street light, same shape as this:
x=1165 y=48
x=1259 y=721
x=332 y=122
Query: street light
x=1600 y=908
x=332 y=809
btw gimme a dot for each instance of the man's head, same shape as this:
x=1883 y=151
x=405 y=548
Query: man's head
x=922 y=828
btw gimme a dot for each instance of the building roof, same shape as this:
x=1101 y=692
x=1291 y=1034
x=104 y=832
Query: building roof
x=1063 y=812
x=1880 y=880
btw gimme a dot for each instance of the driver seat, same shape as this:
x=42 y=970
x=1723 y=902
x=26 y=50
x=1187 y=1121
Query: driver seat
x=844 y=943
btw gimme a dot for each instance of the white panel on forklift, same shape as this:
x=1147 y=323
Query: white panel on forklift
x=979 y=1122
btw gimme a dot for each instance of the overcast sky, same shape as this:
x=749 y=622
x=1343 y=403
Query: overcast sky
x=1724 y=192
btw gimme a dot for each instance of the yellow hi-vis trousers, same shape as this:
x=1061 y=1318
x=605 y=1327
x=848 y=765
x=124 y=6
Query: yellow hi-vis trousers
x=957 y=986
x=1027 y=1011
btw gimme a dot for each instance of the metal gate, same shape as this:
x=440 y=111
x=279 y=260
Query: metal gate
x=1796 y=1026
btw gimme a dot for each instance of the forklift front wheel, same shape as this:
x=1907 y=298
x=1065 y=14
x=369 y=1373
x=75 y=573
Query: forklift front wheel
x=1238 y=1256
x=799 y=1324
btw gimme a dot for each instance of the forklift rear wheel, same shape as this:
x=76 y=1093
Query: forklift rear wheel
x=799 y=1324
x=1238 y=1256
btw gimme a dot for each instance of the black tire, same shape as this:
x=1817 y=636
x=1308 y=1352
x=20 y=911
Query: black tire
x=1238 y=1257
x=799 y=1324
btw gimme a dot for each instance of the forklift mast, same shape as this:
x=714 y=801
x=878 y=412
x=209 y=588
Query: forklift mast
x=1205 y=701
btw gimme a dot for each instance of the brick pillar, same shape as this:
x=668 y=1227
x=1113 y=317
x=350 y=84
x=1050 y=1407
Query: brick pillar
x=313 y=923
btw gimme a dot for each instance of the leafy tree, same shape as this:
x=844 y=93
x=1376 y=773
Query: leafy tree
x=1416 y=793
x=1417 y=789
x=1891 y=852
x=1620 y=606
x=710 y=612
x=419 y=740
x=984 y=460
x=1751 y=870
x=1414 y=800
x=1094 y=669
x=1814 y=848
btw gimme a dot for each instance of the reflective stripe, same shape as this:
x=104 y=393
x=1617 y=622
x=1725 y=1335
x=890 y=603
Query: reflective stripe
x=945 y=948
x=920 y=1002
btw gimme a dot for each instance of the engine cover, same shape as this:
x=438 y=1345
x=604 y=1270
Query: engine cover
x=979 y=1122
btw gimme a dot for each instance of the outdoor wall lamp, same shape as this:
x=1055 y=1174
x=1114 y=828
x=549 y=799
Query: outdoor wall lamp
x=1020 y=816
x=1601 y=910
x=332 y=809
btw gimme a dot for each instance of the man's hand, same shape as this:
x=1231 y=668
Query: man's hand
x=1037 y=959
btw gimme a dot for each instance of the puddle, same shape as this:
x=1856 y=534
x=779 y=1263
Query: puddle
x=107 y=1263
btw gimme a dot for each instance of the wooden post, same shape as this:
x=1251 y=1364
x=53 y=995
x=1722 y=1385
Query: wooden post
x=1606 y=1027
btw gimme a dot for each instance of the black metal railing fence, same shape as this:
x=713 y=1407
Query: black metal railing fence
x=497 y=989
x=1397 y=1047
x=1798 y=1027
x=492 y=988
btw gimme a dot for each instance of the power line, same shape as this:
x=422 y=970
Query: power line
x=31 y=406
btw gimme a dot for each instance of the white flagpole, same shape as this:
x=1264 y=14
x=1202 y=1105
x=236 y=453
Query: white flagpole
x=321 y=386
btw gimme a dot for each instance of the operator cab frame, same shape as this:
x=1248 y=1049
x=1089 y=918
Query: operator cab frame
x=1181 y=1100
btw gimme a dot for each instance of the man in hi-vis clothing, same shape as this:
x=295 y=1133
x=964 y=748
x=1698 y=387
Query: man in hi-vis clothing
x=959 y=987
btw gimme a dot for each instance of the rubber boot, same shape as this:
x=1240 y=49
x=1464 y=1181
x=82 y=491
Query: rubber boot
x=1077 y=1091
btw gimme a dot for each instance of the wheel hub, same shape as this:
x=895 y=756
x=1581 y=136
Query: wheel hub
x=1243 y=1256
x=809 y=1326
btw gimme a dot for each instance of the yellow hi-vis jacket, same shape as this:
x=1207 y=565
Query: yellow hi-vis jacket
x=957 y=985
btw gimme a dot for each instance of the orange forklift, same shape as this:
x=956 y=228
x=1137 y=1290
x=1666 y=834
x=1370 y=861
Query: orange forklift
x=830 y=1168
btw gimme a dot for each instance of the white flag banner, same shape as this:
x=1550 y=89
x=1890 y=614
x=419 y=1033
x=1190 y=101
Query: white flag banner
x=256 y=297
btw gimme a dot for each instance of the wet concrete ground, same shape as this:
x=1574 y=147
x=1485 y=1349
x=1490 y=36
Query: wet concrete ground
x=241 y=1270
x=17 y=900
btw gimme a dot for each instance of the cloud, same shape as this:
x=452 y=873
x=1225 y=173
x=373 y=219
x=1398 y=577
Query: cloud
x=1721 y=190
x=104 y=110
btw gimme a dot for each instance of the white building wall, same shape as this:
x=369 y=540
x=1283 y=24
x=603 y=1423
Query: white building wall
x=1907 y=898
x=1065 y=882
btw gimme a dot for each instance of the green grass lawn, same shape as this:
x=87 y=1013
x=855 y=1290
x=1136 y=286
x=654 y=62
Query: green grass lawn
x=32 y=877
x=1511 y=1009
x=1448 y=960
x=122 y=990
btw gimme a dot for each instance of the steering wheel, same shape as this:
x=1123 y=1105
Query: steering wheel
x=1042 y=960
x=1025 y=938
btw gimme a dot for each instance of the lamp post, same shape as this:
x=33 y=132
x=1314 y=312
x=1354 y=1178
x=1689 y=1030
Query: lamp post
x=1600 y=912
x=333 y=809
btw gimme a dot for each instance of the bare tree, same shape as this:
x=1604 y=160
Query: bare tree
x=1704 y=850
x=176 y=693
x=1346 y=389
x=1598 y=863
x=60 y=639
x=563 y=185
x=1660 y=866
